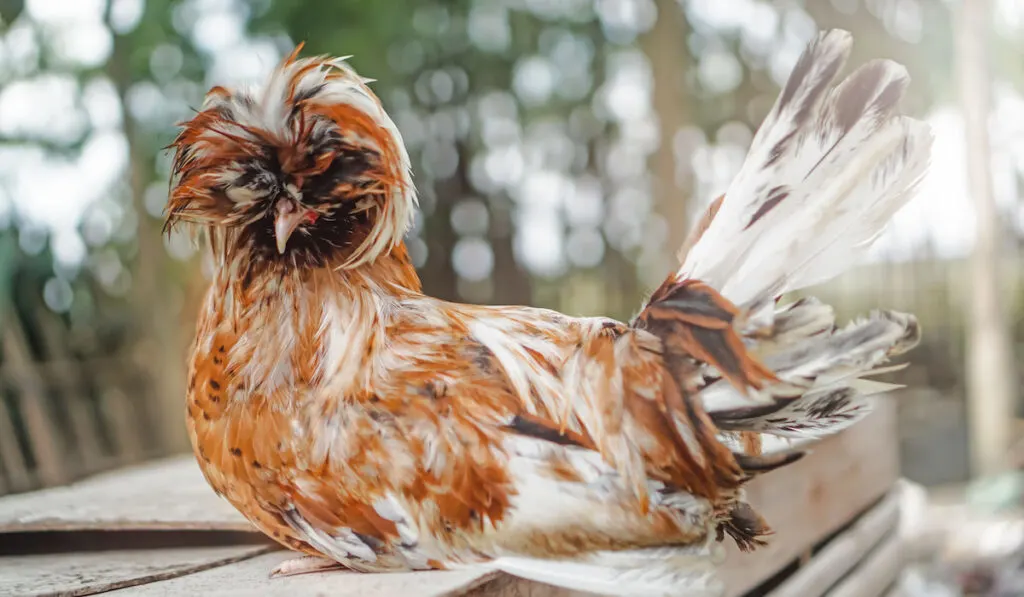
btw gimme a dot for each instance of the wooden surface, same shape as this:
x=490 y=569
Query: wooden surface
x=876 y=574
x=250 y=577
x=844 y=552
x=805 y=503
x=96 y=571
x=504 y=585
x=169 y=494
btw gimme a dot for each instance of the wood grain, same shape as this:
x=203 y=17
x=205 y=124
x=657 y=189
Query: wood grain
x=844 y=552
x=168 y=494
x=876 y=574
x=71 y=386
x=251 y=577
x=509 y=586
x=15 y=475
x=97 y=571
x=30 y=390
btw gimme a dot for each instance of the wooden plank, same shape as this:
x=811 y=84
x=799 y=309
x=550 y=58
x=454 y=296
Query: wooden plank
x=251 y=577
x=15 y=470
x=31 y=392
x=167 y=494
x=86 y=573
x=876 y=574
x=509 y=586
x=812 y=498
x=120 y=413
x=843 y=552
x=71 y=385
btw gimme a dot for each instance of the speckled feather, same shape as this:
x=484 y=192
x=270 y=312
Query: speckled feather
x=351 y=417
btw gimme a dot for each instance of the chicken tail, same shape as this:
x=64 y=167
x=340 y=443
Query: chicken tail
x=825 y=173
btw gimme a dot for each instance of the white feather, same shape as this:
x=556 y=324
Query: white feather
x=825 y=173
x=545 y=504
x=807 y=354
x=844 y=174
x=638 y=574
x=549 y=505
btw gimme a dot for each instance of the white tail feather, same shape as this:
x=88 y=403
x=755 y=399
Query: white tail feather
x=825 y=173
x=821 y=391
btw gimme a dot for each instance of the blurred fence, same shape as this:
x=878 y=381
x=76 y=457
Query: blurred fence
x=63 y=417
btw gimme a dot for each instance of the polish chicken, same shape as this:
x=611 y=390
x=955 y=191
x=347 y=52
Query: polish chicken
x=352 y=418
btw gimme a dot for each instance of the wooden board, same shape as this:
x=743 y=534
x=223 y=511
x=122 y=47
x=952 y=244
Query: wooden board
x=250 y=577
x=86 y=573
x=843 y=553
x=509 y=586
x=876 y=574
x=811 y=499
x=167 y=494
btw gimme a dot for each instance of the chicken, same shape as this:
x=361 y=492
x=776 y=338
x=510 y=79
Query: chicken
x=350 y=417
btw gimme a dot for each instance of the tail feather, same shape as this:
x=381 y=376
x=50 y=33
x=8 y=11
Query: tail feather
x=859 y=347
x=820 y=390
x=824 y=174
x=826 y=171
x=696 y=323
x=821 y=412
x=796 y=321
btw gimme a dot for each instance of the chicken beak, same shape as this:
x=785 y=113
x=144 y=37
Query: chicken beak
x=286 y=219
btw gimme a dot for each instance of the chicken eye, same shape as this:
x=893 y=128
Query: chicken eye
x=254 y=183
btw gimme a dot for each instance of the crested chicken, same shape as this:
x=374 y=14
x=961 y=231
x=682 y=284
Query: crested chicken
x=352 y=418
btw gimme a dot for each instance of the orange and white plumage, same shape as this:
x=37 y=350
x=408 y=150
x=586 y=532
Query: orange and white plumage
x=351 y=417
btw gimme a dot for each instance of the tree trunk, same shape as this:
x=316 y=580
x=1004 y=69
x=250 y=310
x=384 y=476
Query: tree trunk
x=512 y=284
x=438 y=274
x=159 y=339
x=665 y=46
x=990 y=390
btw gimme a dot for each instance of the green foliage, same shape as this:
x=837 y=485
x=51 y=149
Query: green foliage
x=365 y=29
x=10 y=10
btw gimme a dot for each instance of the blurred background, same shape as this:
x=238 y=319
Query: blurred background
x=561 y=149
